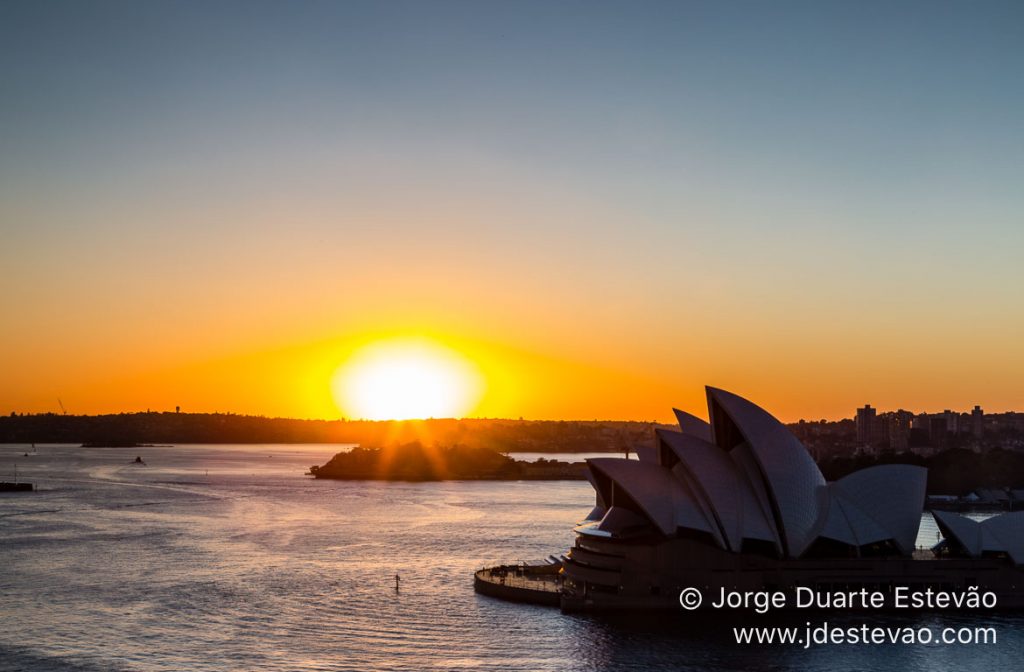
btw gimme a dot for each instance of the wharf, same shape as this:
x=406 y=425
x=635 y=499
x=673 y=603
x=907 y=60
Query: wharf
x=532 y=584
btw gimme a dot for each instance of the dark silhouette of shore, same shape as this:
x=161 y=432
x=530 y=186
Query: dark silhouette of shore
x=140 y=429
x=416 y=462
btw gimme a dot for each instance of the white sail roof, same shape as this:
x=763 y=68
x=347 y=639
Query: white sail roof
x=1008 y=530
x=662 y=497
x=692 y=425
x=963 y=530
x=647 y=454
x=999 y=534
x=618 y=520
x=602 y=487
x=716 y=478
x=761 y=525
x=847 y=523
x=837 y=525
x=891 y=496
x=797 y=488
x=680 y=473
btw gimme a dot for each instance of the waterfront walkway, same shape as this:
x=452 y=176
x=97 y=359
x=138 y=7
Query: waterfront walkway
x=515 y=577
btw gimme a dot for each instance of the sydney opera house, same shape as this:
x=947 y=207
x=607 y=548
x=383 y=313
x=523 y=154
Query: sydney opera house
x=738 y=502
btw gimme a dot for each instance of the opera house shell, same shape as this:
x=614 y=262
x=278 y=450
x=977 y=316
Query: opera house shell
x=737 y=501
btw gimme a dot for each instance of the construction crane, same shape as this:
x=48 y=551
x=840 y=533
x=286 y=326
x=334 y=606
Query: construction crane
x=62 y=409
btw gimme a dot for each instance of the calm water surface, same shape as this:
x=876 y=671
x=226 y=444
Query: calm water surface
x=228 y=558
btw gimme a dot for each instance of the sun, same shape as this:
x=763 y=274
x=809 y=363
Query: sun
x=406 y=379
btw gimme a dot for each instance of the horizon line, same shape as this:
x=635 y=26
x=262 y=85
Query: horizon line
x=15 y=414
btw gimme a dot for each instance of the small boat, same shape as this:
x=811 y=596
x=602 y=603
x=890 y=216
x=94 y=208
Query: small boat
x=16 y=486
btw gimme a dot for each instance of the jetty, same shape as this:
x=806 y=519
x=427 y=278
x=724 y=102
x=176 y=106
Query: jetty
x=530 y=584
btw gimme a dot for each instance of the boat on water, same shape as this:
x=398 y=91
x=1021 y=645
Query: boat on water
x=16 y=485
x=736 y=504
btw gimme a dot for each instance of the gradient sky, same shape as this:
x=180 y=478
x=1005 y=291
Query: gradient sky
x=605 y=205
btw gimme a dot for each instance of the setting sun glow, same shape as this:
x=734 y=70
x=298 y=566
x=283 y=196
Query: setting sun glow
x=402 y=380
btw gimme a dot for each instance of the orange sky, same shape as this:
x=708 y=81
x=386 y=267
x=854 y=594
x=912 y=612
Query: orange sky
x=187 y=312
x=552 y=374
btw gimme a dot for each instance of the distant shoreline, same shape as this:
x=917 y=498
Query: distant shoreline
x=79 y=444
x=533 y=436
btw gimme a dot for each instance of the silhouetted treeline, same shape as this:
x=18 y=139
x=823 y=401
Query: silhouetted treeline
x=173 y=428
x=416 y=462
x=952 y=472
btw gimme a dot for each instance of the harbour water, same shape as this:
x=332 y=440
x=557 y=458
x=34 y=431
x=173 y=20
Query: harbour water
x=229 y=558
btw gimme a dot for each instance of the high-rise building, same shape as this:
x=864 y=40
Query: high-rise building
x=899 y=430
x=938 y=431
x=952 y=421
x=977 y=422
x=865 y=424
